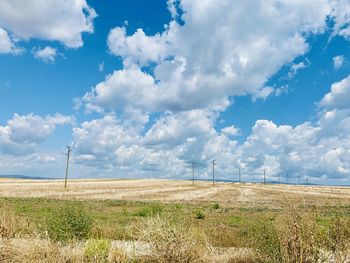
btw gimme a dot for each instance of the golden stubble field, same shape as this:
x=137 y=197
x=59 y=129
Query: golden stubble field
x=159 y=220
x=229 y=194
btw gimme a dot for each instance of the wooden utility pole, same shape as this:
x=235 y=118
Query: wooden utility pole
x=264 y=176
x=193 y=165
x=279 y=178
x=214 y=163
x=287 y=178
x=67 y=154
x=239 y=175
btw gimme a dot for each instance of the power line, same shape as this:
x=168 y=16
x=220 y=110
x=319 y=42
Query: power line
x=67 y=154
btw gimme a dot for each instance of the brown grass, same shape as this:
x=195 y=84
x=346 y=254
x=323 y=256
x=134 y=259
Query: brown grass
x=242 y=223
x=228 y=194
x=173 y=241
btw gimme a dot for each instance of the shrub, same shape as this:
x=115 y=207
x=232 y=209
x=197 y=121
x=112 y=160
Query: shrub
x=199 y=214
x=10 y=224
x=152 y=210
x=173 y=242
x=339 y=238
x=118 y=255
x=266 y=240
x=215 y=206
x=97 y=250
x=70 y=222
x=299 y=239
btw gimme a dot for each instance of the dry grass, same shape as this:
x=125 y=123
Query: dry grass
x=173 y=241
x=11 y=225
x=37 y=250
x=237 y=223
x=228 y=194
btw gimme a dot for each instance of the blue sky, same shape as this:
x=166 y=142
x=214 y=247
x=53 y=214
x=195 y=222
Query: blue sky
x=142 y=88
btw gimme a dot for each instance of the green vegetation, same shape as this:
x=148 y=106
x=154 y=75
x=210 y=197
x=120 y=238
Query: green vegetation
x=287 y=234
x=216 y=206
x=97 y=250
x=199 y=213
x=69 y=222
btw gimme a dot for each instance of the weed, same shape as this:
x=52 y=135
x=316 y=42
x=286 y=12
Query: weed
x=339 y=238
x=215 y=206
x=298 y=238
x=152 y=210
x=118 y=255
x=173 y=242
x=97 y=250
x=70 y=222
x=199 y=214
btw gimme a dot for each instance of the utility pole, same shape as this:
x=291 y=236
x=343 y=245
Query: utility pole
x=298 y=179
x=287 y=178
x=67 y=154
x=279 y=178
x=239 y=175
x=214 y=163
x=264 y=176
x=193 y=165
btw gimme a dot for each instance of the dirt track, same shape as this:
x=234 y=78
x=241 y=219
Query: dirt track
x=232 y=194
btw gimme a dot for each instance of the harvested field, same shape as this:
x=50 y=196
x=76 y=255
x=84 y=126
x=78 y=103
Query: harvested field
x=155 y=220
x=230 y=194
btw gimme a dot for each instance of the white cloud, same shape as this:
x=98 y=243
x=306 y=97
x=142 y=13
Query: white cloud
x=317 y=150
x=22 y=134
x=138 y=48
x=101 y=66
x=163 y=151
x=338 y=62
x=186 y=75
x=339 y=96
x=341 y=16
x=194 y=70
x=231 y=131
x=174 y=129
x=6 y=44
x=63 y=21
x=296 y=67
x=47 y=54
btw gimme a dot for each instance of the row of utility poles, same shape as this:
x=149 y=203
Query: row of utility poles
x=69 y=150
x=239 y=175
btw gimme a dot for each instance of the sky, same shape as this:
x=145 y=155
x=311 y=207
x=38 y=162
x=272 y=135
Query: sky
x=140 y=89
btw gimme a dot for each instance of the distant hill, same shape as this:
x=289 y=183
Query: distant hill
x=20 y=176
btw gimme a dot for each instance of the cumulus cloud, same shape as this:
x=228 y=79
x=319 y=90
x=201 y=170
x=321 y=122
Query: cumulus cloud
x=47 y=54
x=338 y=62
x=318 y=150
x=6 y=44
x=186 y=76
x=138 y=48
x=23 y=133
x=185 y=66
x=63 y=21
x=339 y=96
x=341 y=15
x=231 y=131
